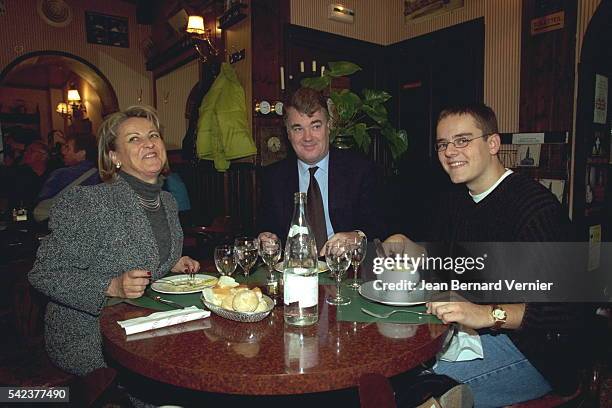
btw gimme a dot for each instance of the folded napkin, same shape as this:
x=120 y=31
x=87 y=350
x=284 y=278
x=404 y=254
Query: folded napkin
x=465 y=345
x=162 y=319
x=166 y=331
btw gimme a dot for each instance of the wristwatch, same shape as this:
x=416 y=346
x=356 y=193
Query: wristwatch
x=499 y=316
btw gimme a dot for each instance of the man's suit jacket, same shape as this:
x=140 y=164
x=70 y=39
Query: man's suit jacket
x=352 y=195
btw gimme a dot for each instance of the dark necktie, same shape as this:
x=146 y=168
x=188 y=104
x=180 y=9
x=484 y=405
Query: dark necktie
x=314 y=208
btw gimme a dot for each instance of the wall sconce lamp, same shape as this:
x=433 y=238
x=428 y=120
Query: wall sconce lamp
x=63 y=109
x=200 y=38
x=74 y=102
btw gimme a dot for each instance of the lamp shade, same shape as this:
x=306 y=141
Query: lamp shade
x=73 y=95
x=195 y=25
x=62 y=108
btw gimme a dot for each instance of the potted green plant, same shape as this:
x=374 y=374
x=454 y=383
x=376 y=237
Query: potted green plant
x=354 y=116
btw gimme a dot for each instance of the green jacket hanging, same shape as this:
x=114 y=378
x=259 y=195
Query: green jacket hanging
x=223 y=132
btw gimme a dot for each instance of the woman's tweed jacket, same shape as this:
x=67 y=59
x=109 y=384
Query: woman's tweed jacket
x=97 y=233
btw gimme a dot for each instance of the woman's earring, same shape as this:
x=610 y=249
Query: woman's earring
x=118 y=165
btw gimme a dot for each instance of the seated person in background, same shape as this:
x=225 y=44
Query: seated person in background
x=529 y=348
x=175 y=186
x=78 y=153
x=108 y=240
x=55 y=141
x=341 y=184
x=16 y=140
x=21 y=183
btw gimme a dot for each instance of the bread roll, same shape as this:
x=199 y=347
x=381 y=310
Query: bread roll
x=258 y=293
x=227 y=282
x=245 y=301
x=262 y=306
x=228 y=302
x=222 y=292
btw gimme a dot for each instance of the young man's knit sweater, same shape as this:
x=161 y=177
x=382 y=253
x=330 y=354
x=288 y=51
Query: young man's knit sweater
x=521 y=210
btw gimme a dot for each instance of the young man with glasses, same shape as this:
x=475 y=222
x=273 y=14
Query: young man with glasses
x=523 y=344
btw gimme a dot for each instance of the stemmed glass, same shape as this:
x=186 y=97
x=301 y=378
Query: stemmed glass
x=338 y=258
x=225 y=259
x=359 y=247
x=270 y=251
x=246 y=253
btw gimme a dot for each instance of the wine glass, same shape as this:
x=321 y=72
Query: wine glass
x=225 y=259
x=270 y=251
x=338 y=258
x=246 y=253
x=359 y=247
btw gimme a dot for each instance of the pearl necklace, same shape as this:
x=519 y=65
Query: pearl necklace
x=149 y=204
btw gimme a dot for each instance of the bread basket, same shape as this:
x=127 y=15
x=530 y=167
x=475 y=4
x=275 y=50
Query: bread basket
x=244 y=317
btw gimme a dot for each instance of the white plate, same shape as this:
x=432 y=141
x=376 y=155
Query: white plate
x=183 y=284
x=392 y=297
x=322 y=266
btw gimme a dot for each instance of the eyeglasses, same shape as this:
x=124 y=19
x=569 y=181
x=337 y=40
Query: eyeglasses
x=459 y=142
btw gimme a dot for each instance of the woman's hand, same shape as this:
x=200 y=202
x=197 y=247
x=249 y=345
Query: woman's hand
x=130 y=284
x=466 y=313
x=187 y=265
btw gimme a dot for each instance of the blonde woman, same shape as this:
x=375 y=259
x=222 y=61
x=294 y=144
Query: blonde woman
x=108 y=240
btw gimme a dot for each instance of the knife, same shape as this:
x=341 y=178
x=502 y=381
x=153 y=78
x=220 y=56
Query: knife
x=168 y=302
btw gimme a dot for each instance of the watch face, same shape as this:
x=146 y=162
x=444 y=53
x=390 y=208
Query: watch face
x=499 y=314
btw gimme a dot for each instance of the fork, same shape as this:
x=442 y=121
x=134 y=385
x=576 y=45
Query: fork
x=162 y=280
x=386 y=315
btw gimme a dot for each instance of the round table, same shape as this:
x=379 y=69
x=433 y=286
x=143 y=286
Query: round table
x=268 y=357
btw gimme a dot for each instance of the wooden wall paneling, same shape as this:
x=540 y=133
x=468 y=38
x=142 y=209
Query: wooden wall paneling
x=426 y=74
x=208 y=198
x=307 y=45
x=501 y=53
x=595 y=59
x=303 y=44
x=547 y=70
x=586 y=9
x=269 y=20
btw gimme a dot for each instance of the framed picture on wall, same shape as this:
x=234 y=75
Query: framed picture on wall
x=418 y=10
x=104 y=29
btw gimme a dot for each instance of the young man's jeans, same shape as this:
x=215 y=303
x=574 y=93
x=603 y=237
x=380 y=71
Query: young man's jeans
x=502 y=378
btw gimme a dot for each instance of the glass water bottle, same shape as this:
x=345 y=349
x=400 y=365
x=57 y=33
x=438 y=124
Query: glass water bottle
x=300 y=272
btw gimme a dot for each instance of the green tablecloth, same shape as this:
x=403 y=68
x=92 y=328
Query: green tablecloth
x=351 y=312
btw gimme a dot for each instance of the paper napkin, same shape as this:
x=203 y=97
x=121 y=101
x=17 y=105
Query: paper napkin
x=171 y=330
x=465 y=345
x=162 y=319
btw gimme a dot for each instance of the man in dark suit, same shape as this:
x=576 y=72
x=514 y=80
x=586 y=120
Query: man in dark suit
x=345 y=179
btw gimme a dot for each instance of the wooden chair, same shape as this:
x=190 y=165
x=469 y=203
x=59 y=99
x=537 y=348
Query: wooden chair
x=37 y=371
x=200 y=241
x=28 y=365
